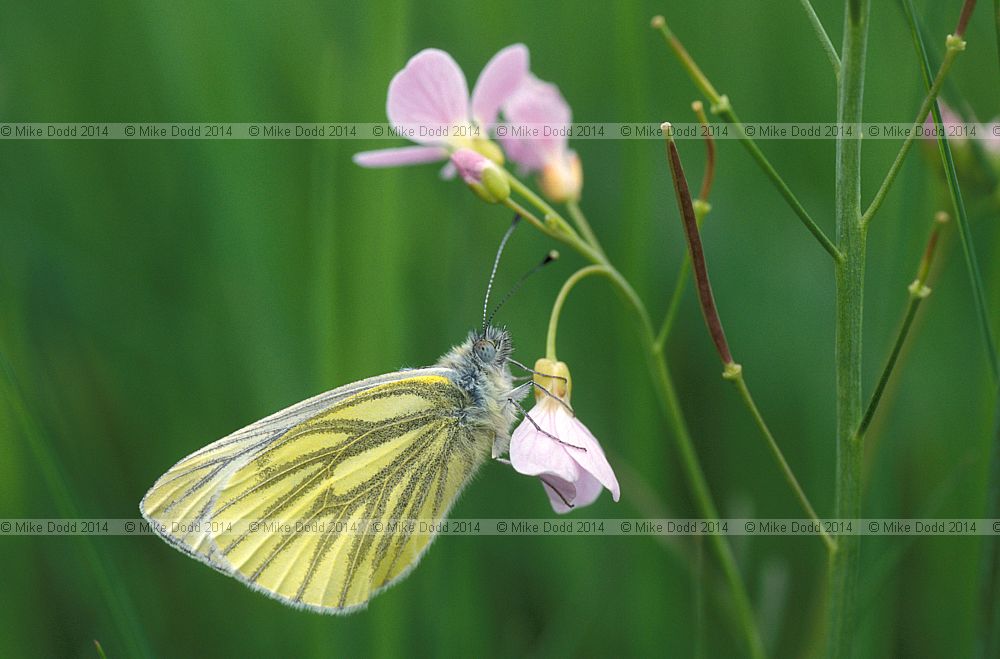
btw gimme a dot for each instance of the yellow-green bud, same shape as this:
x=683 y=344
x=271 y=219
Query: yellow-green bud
x=554 y=376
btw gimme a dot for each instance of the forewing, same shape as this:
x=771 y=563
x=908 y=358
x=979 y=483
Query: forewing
x=179 y=503
x=325 y=491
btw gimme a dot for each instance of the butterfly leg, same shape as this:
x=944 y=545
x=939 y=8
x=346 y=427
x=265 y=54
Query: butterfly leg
x=533 y=371
x=531 y=383
x=540 y=429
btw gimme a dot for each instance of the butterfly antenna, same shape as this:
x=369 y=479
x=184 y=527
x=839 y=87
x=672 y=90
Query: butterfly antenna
x=496 y=263
x=549 y=258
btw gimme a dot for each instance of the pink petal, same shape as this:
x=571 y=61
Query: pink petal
x=469 y=164
x=447 y=172
x=559 y=492
x=534 y=454
x=570 y=430
x=404 y=155
x=500 y=78
x=588 y=489
x=538 y=104
x=430 y=90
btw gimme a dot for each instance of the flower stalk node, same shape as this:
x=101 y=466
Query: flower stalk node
x=954 y=42
x=732 y=371
x=918 y=289
x=722 y=106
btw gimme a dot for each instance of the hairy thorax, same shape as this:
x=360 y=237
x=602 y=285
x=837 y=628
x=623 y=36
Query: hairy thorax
x=488 y=384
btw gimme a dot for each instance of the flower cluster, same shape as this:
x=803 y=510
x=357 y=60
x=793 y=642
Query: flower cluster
x=431 y=93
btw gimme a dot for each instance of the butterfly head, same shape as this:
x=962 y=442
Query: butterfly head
x=492 y=347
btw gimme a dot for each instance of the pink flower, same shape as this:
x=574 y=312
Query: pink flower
x=431 y=93
x=541 y=104
x=558 y=448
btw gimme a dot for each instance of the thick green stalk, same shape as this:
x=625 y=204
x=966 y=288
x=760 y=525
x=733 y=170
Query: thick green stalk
x=850 y=274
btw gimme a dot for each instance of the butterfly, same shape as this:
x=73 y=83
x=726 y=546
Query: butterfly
x=399 y=446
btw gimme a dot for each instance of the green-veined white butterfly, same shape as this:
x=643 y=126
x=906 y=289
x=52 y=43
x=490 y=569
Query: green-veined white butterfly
x=392 y=447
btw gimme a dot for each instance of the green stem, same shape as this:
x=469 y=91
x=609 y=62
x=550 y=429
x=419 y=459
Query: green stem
x=680 y=286
x=843 y=567
x=918 y=291
x=911 y=312
x=824 y=38
x=701 y=209
x=951 y=176
x=723 y=108
x=552 y=218
x=729 y=115
x=703 y=498
x=954 y=48
x=550 y=340
x=584 y=226
x=556 y=226
x=734 y=373
x=668 y=398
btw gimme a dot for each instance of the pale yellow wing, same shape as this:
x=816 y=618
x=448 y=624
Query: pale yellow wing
x=180 y=501
x=395 y=450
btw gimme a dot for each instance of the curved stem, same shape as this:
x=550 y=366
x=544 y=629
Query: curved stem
x=550 y=339
x=557 y=227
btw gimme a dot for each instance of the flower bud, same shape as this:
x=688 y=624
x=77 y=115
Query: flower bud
x=554 y=376
x=482 y=175
x=561 y=180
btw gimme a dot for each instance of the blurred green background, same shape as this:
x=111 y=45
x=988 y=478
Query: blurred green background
x=156 y=295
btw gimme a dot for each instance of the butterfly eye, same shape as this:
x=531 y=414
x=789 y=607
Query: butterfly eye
x=486 y=351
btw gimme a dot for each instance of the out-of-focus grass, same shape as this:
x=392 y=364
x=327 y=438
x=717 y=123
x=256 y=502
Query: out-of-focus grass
x=156 y=295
